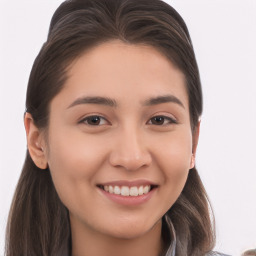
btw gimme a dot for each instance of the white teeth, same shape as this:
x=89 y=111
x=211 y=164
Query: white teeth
x=117 y=190
x=141 y=190
x=134 y=191
x=146 y=189
x=110 y=189
x=126 y=191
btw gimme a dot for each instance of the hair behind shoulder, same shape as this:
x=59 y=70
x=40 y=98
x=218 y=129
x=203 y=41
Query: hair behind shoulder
x=38 y=221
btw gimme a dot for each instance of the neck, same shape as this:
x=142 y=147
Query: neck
x=86 y=242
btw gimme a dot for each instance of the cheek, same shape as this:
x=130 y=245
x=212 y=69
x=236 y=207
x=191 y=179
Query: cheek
x=175 y=151
x=74 y=153
x=73 y=161
x=174 y=159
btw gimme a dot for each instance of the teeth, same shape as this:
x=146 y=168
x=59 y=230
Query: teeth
x=141 y=190
x=110 y=189
x=146 y=189
x=126 y=191
x=117 y=190
x=134 y=191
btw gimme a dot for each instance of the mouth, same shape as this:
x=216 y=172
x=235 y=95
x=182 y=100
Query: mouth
x=127 y=191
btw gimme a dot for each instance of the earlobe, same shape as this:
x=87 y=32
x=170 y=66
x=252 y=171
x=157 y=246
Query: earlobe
x=35 y=142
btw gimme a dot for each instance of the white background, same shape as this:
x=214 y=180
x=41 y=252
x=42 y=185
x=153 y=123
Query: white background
x=224 y=37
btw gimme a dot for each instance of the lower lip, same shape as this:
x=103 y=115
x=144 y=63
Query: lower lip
x=128 y=200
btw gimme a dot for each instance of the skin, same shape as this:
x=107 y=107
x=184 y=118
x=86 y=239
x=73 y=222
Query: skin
x=127 y=144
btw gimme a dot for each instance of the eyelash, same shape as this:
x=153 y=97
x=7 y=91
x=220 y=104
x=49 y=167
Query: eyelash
x=164 y=120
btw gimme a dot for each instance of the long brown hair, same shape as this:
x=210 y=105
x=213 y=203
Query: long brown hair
x=38 y=221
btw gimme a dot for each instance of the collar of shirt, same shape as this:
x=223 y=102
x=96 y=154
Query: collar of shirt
x=172 y=237
x=172 y=247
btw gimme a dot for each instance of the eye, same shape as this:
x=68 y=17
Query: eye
x=162 y=120
x=94 y=120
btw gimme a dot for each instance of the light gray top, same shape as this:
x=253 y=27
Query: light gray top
x=172 y=247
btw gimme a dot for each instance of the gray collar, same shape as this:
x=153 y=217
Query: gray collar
x=172 y=248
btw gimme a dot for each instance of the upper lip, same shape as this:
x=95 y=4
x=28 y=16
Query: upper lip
x=128 y=183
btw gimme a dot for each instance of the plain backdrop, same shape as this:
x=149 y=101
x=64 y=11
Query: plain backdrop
x=224 y=37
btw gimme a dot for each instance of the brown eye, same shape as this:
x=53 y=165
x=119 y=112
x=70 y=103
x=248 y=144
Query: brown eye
x=162 y=120
x=158 y=120
x=94 y=120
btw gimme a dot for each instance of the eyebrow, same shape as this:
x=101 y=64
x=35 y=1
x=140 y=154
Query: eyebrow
x=163 y=99
x=112 y=103
x=94 y=100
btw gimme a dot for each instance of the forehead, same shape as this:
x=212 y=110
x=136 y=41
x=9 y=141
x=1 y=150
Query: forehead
x=125 y=72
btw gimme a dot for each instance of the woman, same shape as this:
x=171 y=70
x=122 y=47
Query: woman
x=112 y=122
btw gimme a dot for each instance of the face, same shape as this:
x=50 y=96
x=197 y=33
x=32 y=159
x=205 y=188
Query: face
x=119 y=142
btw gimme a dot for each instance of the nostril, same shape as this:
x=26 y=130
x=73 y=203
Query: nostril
x=130 y=162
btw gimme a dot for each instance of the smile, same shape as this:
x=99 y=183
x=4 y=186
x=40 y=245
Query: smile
x=129 y=193
x=126 y=190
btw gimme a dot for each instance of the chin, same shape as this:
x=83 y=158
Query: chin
x=129 y=234
x=133 y=230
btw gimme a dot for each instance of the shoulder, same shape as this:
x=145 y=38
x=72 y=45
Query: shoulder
x=216 y=254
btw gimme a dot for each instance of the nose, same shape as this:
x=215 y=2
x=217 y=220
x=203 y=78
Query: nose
x=130 y=151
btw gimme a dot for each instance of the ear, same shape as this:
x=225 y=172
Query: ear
x=35 y=142
x=195 y=143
